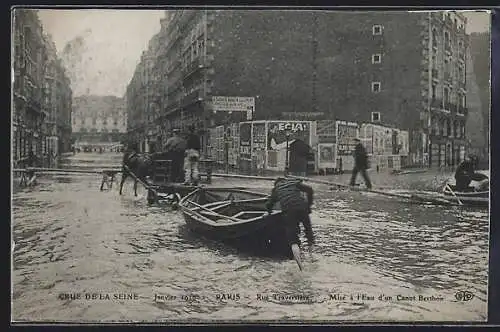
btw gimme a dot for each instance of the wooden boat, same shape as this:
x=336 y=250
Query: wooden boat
x=235 y=216
x=475 y=194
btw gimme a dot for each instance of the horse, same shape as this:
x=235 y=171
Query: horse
x=141 y=165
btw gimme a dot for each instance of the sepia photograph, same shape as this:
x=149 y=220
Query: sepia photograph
x=249 y=165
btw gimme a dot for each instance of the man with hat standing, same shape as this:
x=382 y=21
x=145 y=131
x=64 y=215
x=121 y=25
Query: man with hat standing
x=175 y=148
x=360 y=164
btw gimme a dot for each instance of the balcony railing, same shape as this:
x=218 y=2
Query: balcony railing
x=192 y=98
x=196 y=65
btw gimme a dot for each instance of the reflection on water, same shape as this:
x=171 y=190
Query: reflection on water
x=72 y=238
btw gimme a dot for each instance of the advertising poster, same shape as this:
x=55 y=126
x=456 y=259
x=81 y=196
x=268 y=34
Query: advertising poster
x=326 y=155
x=276 y=136
x=259 y=144
x=245 y=141
x=346 y=133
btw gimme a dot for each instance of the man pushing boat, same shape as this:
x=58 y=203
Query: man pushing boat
x=288 y=192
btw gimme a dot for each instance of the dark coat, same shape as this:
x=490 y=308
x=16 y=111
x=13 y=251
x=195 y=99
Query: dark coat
x=465 y=168
x=288 y=192
x=360 y=157
x=175 y=144
x=193 y=142
x=299 y=153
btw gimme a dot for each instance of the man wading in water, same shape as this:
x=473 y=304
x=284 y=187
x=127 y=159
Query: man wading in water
x=288 y=192
x=360 y=164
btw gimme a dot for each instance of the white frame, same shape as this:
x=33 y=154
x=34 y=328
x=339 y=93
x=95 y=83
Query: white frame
x=379 y=87
x=380 y=27
x=379 y=58
x=373 y=120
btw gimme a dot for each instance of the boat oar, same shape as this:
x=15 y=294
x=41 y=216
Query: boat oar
x=453 y=193
x=296 y=255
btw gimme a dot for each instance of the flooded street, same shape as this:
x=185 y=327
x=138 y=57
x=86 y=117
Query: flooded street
x=398 y=261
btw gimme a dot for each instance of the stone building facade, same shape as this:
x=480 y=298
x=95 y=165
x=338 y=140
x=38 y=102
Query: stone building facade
x=399 y=69
x=98 y=119
x=41 y=107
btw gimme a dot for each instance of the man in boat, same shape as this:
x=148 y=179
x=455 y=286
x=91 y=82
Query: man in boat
x=288 y=192
x=192 y=158
x=466 y=173
x=360 y=164
x=176 y=147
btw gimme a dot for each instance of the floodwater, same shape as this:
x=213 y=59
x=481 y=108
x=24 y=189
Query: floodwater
x=82 y=255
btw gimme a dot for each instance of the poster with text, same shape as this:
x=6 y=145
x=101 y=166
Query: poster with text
x=245 y=141
x=276 y=135
x=346 y=133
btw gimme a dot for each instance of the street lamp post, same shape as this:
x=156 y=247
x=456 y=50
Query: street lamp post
x=287 y=135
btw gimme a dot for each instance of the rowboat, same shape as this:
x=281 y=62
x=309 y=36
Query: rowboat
x=235 y=216
x=475 y=194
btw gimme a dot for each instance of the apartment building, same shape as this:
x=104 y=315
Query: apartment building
x=40 y=107
x=399 y=69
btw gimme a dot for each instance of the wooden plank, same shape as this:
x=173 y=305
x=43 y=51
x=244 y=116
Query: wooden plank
x=213 y=213
x=330 y=183
x=63 y=170
x=240 y=176
x=343 y=185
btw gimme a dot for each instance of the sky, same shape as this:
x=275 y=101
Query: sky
x=115 y=39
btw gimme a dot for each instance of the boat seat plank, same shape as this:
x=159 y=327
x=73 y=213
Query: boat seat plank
x=255 y=213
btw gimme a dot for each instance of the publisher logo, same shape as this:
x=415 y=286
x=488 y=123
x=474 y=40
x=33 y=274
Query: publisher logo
x=464 y=296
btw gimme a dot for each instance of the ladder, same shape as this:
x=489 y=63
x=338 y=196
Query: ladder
x=162 y=172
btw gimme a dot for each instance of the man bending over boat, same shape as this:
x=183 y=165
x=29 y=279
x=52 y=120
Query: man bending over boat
x=288 y=192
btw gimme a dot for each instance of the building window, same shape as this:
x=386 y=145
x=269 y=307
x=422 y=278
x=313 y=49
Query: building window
x=433 y=91
x=434 y=38
x=447 y=44
x=375 y=116
x=201 y=46
x=376 y=58
x=377 y=29
x=376 y=87
x=446 y=94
